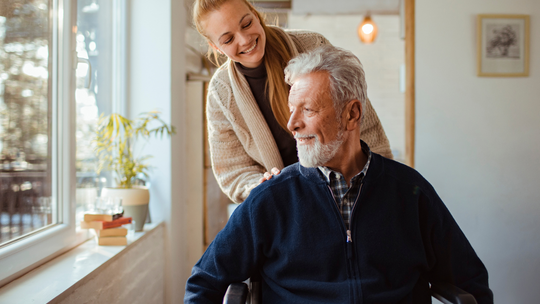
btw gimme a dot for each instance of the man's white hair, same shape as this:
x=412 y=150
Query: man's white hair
x=345 y=72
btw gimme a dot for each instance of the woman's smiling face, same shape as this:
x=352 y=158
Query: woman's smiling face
x=234 y=30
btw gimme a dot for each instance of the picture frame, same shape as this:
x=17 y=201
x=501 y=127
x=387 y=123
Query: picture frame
x=503 y=45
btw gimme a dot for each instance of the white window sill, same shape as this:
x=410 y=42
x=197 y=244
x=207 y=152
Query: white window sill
x=57 y=276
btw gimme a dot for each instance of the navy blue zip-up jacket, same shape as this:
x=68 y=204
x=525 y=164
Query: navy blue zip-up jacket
x=290 y=233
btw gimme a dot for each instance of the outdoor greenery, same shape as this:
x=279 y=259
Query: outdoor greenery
x=115 y=137
x=24 y=84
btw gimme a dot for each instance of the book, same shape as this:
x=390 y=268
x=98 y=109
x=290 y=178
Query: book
x=118 y=231
x=112 y=241
x=90 y=217
x=100 y=225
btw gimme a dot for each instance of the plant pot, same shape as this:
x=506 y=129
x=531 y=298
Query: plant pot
x=134 y=201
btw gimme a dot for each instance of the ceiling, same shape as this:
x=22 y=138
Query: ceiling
x=326 y=7
x=330 y=7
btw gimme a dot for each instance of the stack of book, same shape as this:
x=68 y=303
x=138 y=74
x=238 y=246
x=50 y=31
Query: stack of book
x=108 y=227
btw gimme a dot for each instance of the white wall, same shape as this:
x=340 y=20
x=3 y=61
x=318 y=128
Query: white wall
x=344 y=6
x=478 y=140
x=157 y=81
x=381 y=61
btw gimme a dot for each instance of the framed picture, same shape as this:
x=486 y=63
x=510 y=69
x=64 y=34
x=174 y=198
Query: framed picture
x=503 y=45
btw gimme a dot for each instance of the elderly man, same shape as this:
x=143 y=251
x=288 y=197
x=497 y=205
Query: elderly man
x=345 y=225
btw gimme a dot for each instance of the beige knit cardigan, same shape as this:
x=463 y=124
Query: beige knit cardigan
x=242 y=147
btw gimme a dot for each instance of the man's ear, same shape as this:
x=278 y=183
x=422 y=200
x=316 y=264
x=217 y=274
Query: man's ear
x=353 y=114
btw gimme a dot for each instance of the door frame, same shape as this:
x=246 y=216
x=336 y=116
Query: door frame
x=410 y=117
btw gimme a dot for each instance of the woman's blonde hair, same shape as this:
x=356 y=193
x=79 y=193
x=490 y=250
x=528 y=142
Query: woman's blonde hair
x=276 y=57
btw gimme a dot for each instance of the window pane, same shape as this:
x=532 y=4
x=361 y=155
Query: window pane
x=25 y=113
x=94 y=49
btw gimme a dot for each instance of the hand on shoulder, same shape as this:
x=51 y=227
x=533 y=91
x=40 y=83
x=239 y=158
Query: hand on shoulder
x=268 y=175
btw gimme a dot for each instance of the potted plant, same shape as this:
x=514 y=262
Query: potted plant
x=114 y=142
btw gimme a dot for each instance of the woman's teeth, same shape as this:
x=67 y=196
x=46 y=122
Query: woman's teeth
x=251 y=48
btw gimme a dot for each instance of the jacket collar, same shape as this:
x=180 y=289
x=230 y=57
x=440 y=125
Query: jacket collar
x=376 y=168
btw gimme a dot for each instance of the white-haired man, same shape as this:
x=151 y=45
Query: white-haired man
x=345 y=225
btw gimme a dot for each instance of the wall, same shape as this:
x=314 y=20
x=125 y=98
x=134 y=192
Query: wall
x=156 y=269
x=344 y=6
x=477 y=140
x=133 y=276
x=381 y=61
x=157 y=78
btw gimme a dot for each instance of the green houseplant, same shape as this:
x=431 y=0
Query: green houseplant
x=115 y=143
x=114 y=148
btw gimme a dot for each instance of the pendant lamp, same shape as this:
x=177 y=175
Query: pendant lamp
x=367 y=30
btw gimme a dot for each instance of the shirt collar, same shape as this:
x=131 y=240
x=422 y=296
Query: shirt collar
x=365 y=148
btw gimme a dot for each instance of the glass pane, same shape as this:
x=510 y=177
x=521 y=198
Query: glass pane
x=25 y=119
x=94 y=92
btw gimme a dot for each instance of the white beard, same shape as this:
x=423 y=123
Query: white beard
x=318 y=154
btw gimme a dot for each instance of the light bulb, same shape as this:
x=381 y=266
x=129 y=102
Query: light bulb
x=367 y=28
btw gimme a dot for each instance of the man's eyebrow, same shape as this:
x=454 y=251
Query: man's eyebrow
x=241 y=19
x=299 y=102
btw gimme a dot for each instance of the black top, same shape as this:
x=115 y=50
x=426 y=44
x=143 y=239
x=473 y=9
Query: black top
x=256 y=78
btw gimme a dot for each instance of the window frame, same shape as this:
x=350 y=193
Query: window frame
x=43 y=244
x=119 y=68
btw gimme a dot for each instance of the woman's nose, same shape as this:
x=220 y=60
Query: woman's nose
x=244 y=39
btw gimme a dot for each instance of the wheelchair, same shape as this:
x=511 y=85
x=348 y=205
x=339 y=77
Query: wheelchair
x=240 y=293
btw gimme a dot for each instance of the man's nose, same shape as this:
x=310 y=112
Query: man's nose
x=294 y=123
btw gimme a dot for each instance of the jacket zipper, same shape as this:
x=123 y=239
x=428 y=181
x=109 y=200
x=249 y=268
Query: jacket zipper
x=348 y=229
x=349 y=237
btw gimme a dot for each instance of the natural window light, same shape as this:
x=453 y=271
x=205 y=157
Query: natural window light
x=47 y=168
x=98 y=91
x=25 y=126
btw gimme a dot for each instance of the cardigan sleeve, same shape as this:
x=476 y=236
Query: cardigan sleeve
x=372 y=132
x=236 y=172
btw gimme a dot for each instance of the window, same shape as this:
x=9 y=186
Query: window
x=35 y=143
x=25 y=124
x=100 y=33
x=46 y=166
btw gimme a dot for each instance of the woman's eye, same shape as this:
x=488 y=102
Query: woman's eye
x=227 y=41
x=247 y=25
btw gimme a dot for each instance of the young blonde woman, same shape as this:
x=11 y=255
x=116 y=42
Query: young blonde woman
x=247 y=109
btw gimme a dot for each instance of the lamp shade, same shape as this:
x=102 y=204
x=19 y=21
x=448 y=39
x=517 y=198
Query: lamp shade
x=367 y=30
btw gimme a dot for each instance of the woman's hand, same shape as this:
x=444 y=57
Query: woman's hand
x=267 y=175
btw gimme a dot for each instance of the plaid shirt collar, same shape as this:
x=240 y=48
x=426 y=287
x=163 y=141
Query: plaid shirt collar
x=344 y=195
x=329 y=177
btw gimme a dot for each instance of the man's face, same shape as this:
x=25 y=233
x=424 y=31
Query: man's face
x=313 y=121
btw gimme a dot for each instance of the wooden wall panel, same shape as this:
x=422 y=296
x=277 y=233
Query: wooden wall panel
x=216 y=215
x=215 y=201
